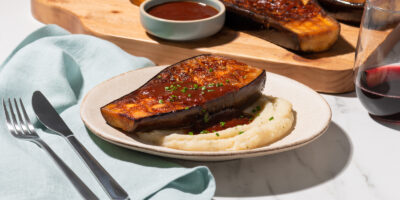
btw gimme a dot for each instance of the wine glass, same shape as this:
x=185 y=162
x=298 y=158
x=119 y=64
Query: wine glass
x=377 y=62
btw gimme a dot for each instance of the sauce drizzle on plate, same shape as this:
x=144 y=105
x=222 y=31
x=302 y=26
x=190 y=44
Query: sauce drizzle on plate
x=182 y=11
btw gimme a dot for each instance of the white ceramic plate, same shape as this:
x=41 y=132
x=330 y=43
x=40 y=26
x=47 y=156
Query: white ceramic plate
x=312 y=113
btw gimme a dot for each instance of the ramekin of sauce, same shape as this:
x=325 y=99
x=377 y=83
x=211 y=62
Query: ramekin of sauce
x=182 y=20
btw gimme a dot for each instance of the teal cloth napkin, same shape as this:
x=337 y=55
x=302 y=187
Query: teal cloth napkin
x=65 y=67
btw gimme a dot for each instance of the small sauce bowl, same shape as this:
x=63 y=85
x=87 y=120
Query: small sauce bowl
x=182 y=30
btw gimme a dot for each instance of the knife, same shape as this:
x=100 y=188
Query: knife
x=52 y=120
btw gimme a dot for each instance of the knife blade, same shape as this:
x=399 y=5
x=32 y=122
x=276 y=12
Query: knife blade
x=49 y=117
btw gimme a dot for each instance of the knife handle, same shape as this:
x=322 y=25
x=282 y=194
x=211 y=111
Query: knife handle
x=110 y=186
x=75 y=180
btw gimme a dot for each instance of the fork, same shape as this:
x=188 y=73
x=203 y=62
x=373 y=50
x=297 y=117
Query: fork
x=23 y=129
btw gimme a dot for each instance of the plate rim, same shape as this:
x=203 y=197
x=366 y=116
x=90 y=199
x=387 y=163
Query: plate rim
x=177 y=153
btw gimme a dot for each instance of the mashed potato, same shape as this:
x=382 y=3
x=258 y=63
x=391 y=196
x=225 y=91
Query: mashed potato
x=274 y=122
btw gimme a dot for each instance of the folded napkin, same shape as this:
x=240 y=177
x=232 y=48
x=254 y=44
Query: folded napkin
x=65 y=67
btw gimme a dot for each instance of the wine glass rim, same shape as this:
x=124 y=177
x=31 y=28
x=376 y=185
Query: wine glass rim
x=369 y=3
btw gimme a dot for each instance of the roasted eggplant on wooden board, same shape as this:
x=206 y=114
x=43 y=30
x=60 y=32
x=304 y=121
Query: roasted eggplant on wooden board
x=344 y=10
x=185 y=92
x=300 y=25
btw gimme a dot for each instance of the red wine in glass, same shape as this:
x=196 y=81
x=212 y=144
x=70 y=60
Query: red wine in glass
x=379 y=91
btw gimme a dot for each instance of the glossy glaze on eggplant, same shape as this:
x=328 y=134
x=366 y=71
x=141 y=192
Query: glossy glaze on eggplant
x=344 y=10
x=185 y=92
x=300 y=25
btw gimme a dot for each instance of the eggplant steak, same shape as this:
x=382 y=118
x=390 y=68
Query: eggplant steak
x=300 y=25
x=185 y=92
x=344 y=10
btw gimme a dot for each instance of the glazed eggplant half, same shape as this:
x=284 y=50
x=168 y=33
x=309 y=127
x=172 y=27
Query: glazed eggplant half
x=300 y=25
x=185 y=92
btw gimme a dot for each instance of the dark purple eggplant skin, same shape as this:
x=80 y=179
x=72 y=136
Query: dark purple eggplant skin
x=185 y=118
x=343 y=11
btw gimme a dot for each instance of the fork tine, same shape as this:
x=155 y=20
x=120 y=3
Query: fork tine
x=22 y=123
x=8 y=121
x=14 y=120
x=27 y=120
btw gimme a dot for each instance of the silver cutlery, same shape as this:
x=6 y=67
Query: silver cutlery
x=52 y=120
x=23 y=129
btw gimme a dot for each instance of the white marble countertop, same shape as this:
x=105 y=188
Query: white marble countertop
x=355 y=159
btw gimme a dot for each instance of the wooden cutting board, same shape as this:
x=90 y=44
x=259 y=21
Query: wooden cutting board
x=118 y=21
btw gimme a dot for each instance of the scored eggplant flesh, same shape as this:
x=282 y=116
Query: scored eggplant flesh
x=300 y=25
x=185 y=92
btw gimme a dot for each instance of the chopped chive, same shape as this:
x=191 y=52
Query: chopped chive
x=204 y=132
x=159 y=76
x=195 y=86
x=220 y=84
x=160 y=101
x=186 y=108
x=202 y=92
x=178 y=85
x=222 y=124
x=206 y=119
x=227 y=80
x=271 y=118
x=190 y=133
x=254 y=111
x=240 y=132
x=184 y=89
x=210 y=90
x=258 y=108
x=211 y=85
x=217 y=134
x=189 y=95
x=203 y=88
x=210 y=70
x=167 y=88
x=244 y=77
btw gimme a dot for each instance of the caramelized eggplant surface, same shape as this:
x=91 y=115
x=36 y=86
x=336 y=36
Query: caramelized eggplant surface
x=185 y=92
x=300 y=25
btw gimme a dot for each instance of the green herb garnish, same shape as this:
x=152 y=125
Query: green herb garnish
x=159 y=76
x=160 y=101
x=227 y=80
x=217 y=134
x=203 y=88
x=210 y=70
x=240 y=132
x=189 y=95
x=195 y=86
x=271 y=118
x=190 y=133
x=258 y=108
x=186 y=108
x=184 y=89
x=204 y=132
x=222 y=124
x=211 y=85
x=210 y=90
x=206 y=119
